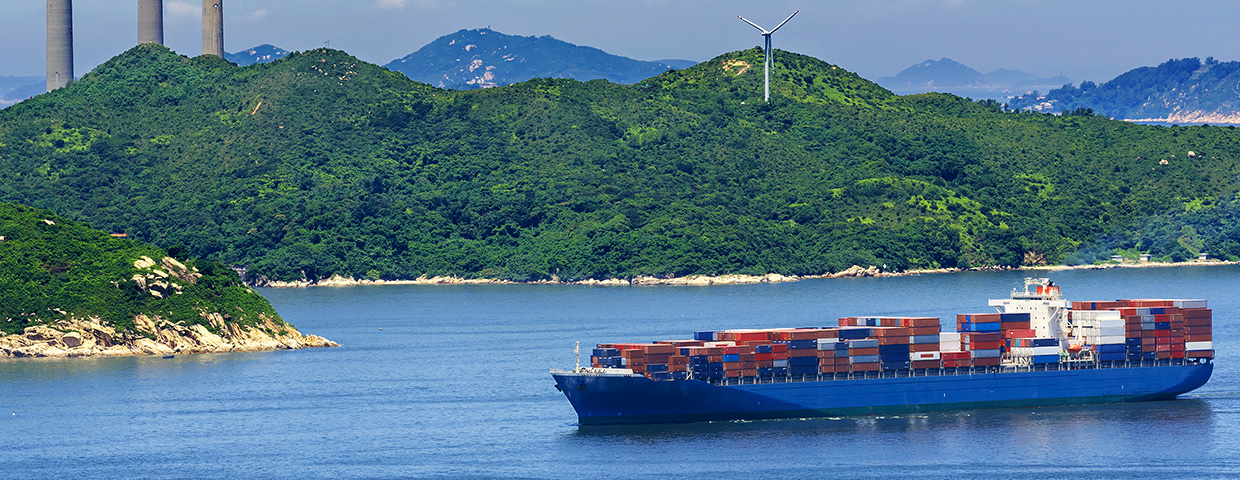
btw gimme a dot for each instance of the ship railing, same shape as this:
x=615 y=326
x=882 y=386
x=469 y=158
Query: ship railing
x=935 y=372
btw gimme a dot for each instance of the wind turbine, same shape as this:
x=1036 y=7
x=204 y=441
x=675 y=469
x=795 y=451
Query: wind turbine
x=770 y=55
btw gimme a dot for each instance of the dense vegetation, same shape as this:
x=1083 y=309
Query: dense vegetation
x=52 y=268
x=320 y=164
x=1176 y=86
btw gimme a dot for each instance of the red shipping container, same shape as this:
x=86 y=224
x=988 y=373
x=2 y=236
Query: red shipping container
x=924 y=347
x=731 y=366
x=1199 y=354
x=779 y=355
x=1198 y=322
x=678 y=368
x=779 y=348
x=748 y=357
x=1196 y=313
x=904 y=340
x=1163 y=355
x=1162 y=333
x=749 y=372
x=924 y=330
x=826 y=354
x=1198 y=329
x=857 y=352
x=1200 y=337
x=764 y=356
x=1015 y=325
x=803 y=352
x=842 y=361
x=826 y=368
x=890 y=332
x=731 y=350
x=1162 y=347
x=956 y=363
x=956 y=355
x=1177 y=347
x=715 y=358
x=765 y=363
x=985 y=345
x=732 y=373
x=925 y=364
x=921 y=322
x=986 y=362
x=1022 y=333
x=865 y=367
x=660 y=358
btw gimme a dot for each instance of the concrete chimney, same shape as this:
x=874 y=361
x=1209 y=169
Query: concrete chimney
x=213 y=27
x=151 y=21
x=59 y=43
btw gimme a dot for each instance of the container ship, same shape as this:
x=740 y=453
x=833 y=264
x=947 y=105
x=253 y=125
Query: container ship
x=1036 y=349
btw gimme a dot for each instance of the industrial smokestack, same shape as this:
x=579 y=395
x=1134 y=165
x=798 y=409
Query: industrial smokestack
x=151 y=21
x=213 y=27
x=59 y=43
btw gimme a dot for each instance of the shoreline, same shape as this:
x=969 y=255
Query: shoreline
x=728 y=279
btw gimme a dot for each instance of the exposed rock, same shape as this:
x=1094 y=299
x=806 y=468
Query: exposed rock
x=154 y=336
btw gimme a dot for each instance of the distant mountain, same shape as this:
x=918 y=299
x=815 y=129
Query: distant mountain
x=1178 y=91
x=483 y=58
x=16 y=89
x=261 y=54
x=949 y=76
x=677 y=64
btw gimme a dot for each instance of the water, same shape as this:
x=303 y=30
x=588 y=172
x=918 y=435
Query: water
x=451 y=381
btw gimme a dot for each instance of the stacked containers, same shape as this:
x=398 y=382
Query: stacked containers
x=1103 y=331
x=1160 y=329
x=893 y=347
x=983 y=347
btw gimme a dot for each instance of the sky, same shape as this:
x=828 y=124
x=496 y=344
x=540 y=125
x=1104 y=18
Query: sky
x=1081 y=39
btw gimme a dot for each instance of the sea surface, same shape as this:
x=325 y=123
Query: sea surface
x=452 y=382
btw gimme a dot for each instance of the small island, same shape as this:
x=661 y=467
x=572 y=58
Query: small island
x=67 y=290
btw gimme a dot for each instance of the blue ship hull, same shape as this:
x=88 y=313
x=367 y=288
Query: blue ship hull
x=603 y=399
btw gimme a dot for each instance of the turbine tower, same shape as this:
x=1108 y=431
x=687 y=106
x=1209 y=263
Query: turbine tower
x=213 y=27
x=151 y=21
x=59 y=43
x=770 y=55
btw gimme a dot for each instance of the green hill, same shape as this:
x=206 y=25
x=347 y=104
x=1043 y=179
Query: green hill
x=320 y=164
x=55 y=269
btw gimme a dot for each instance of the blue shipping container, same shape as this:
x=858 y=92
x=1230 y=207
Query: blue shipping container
x=1045 y=359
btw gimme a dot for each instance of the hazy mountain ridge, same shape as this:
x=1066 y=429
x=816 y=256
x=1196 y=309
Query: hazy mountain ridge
x=949 y=76
x=1178 y=91
x=260 y=54
x=483 y=58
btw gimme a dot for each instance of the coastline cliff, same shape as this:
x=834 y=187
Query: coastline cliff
x=67 y=290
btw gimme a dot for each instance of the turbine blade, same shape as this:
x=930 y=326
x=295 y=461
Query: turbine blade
x=785 y=21
x=760 y=29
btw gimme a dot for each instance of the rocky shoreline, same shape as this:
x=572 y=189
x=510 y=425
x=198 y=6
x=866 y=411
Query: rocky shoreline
x=854 y=271
x=154 y=336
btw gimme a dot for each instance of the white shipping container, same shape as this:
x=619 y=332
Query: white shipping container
x=924 y=356
x=827 y=343
x=1091 y=315
x=719 y=344
x=1045 y=350
x=1191 y=304
x=1199 y=345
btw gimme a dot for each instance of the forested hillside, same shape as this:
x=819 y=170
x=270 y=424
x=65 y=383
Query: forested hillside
x=54 y=269
x=320 y=164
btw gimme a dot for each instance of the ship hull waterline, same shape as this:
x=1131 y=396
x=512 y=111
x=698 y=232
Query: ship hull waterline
x=623 y=399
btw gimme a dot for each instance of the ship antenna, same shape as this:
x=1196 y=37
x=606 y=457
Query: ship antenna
x=577 y=352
